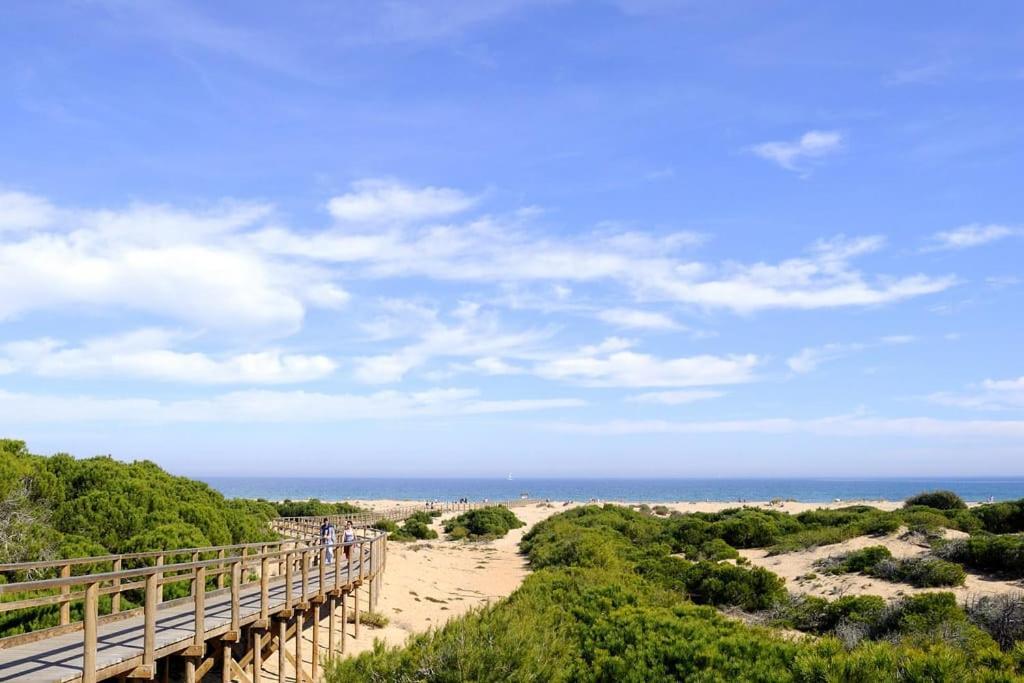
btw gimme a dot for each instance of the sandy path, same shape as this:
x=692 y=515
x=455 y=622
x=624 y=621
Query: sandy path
x=796 y=566
x=429 y=582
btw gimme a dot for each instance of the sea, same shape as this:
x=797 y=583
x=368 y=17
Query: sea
x=647 y=490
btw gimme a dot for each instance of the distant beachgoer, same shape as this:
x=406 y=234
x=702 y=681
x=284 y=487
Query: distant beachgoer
x=348 y=537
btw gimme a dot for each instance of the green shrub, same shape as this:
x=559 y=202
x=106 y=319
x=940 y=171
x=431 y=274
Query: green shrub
x=716 y=549
x=862 y=560
x=921 y=572
x=1002 y=554
x=1001 y=518
x=413 y=530
x=488 y=522
x=940 y=500
x=314 y=508
x=385 y=525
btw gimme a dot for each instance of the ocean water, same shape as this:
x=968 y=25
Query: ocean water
x=651 y=490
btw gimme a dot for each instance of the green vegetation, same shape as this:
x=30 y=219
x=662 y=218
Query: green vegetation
x=57 y=507
x=314 y=508
x=484 y=523
x=877 y=561
x=921 y=572
x=1001 y=518
x=1000 y=554
x=863 y=560
x=940 y=500
x=608 y=602
x=414 y=528
x=372 y=619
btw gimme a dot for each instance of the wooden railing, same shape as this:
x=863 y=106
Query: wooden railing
x=85 y=580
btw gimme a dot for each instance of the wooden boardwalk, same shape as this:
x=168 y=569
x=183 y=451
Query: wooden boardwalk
x=60 y=659
x=245 y=603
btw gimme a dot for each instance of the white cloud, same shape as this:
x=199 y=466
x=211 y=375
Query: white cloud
x=634 y=318
x=835 y=426
x=384 y=201
x=190 y=266
x=808 y=359
x=674 y=398
x=792 y=155
x=495 y=366
x=1002 y=394
x=612 y=364
x=477 y=334
x=264 y=407
x=147 y=354
x=967 y=236
x=20 y=211
x=505 y=252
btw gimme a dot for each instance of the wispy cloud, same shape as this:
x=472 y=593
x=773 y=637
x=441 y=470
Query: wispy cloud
x=1002 y=394
x=834 y=426
x=808 y=359
x=264 y=406
x=376 y=200
x=967 y=236
x=612 y=363
x=149 y=354
x=674 y=398
x=800 y=154
x=638 y=319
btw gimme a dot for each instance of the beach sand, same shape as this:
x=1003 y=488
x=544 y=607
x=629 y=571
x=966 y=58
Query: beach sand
x=429 y=582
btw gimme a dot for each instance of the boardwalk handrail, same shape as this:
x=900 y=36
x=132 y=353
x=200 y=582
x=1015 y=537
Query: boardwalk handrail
x=233 y=564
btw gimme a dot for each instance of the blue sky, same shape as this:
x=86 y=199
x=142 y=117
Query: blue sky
x=623 y=238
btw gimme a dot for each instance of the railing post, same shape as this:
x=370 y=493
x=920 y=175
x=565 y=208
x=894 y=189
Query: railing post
x=344 y=621
x=305 y=576
x=298 y=645
x=236 y=580
x=90 y=619
x=115 y=598
x=160 y=585
x=287 y=581
x=323 y=569
x=264 y=586
x=355 y=598
x=149 y=635
x=200 y=607
x=65 y=592
x=220 y=569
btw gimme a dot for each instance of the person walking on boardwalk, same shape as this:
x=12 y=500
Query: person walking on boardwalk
x=348 y=537
x=328 y=538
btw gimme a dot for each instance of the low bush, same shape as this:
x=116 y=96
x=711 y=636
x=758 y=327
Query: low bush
x=940 y=500
x=1001 y=518
x=1002 y=554
x=385 y=525
x=862 y=560
x=1002 y=616
x=921 y=572
x=877 y=561
x=371 y=619
x=484 y=523
x=413 y=530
